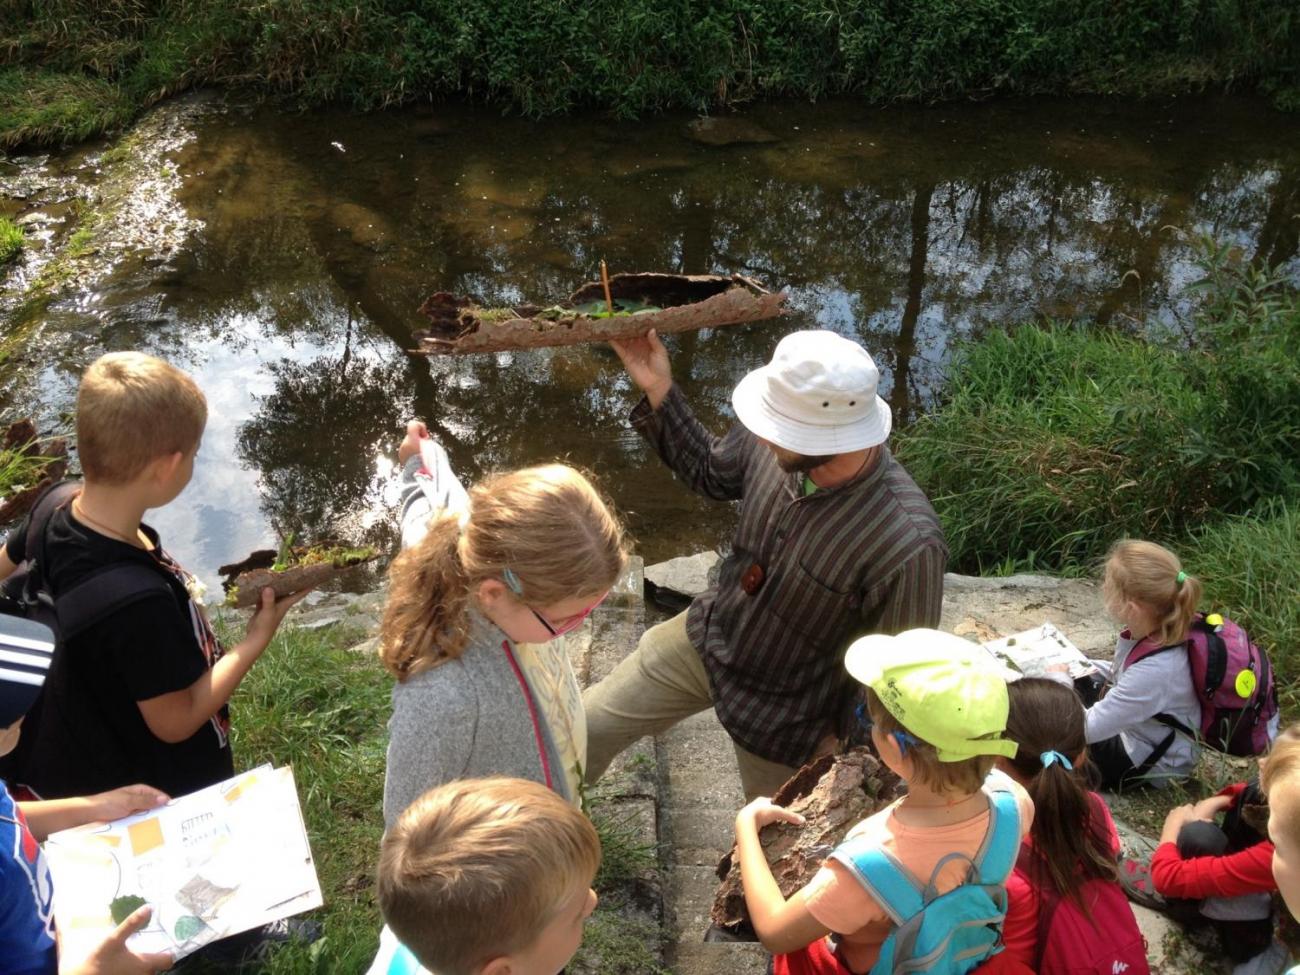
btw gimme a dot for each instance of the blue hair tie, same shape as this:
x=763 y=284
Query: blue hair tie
x=1050 y=758
x=513 y=582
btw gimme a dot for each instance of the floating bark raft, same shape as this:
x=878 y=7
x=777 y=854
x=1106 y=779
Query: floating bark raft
x=833 y=794
x=664 y=302
x=20 y=437
x=244 y=581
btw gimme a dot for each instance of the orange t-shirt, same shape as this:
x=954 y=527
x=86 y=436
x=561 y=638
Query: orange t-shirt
x=837 y=900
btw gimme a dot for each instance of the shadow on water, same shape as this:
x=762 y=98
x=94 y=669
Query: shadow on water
x=906 y=229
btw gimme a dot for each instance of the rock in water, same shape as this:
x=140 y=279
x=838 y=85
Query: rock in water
x=833 y=794
x=716 y=130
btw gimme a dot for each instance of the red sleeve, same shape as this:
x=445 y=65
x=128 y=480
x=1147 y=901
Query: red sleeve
x=1020 y=929
x=1247 y=872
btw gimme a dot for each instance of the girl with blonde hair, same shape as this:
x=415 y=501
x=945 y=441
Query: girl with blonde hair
x=486 y=579
x=1133 y=732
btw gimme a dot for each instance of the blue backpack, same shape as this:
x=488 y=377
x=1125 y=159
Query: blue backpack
x=942 y=934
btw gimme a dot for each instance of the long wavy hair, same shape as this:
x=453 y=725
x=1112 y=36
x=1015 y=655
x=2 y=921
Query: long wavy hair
x=1070 y=839
x=548 y=525
x=1148 y=573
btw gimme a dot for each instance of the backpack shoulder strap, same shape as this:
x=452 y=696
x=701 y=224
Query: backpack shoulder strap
x=106 y=591
x=884 y=878
x=50 y=500
x=997 y=854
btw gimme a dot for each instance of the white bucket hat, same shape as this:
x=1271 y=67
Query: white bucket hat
x=816 y=397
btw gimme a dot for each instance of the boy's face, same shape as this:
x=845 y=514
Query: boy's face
x=1286 y=855
x=559 y=940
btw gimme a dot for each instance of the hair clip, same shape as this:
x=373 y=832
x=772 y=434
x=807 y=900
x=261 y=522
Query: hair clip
x=512 y=580
x=1181 y=577
x=1050 y=758
x=904 y=740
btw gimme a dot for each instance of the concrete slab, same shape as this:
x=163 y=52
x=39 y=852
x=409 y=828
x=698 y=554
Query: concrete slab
x=699 y=958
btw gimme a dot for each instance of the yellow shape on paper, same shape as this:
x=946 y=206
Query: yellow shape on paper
x=1245 y=683
x=145 y=836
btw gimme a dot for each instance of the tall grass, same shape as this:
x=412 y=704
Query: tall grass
x=1055 y=440
x=634 y=56
x=11 y=240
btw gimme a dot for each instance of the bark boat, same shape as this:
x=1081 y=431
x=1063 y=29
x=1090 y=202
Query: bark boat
x=663 y=302
x=833 y=794
x=308 y=568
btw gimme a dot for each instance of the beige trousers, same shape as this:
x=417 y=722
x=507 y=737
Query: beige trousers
x=661 y=682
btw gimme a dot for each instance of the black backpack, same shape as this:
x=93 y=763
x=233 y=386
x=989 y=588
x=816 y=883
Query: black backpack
x=27 y=594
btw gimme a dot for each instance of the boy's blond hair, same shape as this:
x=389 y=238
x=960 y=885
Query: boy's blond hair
x=475 y=869
x=966 y=775
x=1281 y=768
x=131 y=410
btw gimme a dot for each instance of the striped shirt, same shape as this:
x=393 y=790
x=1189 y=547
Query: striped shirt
x=865 y=557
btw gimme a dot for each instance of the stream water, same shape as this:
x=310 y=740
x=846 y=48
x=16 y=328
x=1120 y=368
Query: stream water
x=306 y=242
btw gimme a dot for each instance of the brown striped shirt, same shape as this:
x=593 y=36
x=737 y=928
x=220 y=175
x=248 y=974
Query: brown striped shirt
x=865 y=557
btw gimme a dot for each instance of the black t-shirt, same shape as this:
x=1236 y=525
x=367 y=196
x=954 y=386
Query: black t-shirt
x=89 y=734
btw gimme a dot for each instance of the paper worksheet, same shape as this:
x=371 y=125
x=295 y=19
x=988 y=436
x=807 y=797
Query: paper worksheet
x=1032 y=652
x=225 y=859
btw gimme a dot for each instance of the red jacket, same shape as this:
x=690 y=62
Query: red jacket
x=1247 y=872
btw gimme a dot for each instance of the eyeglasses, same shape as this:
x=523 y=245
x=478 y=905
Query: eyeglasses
x=569 y=623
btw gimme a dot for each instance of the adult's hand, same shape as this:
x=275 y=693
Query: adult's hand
x=113 y=957
x=646 y=361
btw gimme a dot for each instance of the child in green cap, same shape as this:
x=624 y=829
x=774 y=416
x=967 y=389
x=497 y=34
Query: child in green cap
x=938 y=707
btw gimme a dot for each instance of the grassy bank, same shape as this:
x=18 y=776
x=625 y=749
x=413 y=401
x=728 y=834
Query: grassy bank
x=74 y=67
x=1055 y=441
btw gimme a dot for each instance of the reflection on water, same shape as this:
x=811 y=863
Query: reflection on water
x=906 y=229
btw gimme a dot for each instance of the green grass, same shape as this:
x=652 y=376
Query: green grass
x=87 y=65
x=1053 y=441
x=11 y=240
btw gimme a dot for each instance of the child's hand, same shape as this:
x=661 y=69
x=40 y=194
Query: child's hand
x=113 y=957
x=1208 y=809
x=762 y=812
x=268 y=616
x=415 y=432
x=127 y=800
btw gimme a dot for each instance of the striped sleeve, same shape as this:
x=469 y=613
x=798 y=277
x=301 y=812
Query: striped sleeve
x=708 y=465
x=912 y=596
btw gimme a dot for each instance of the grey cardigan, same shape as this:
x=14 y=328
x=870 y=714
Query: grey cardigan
x=473 y=716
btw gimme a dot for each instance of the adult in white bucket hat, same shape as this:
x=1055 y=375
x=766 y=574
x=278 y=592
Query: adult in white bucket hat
x=835 y=541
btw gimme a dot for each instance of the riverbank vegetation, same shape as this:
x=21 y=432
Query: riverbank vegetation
x=11 y=240
x=1053 y=441
x=75 y=67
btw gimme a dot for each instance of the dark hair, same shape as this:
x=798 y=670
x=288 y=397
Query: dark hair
x=1069 y=833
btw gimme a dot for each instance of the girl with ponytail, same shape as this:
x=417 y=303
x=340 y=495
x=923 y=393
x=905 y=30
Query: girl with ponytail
x=486 y=579
x=1134 y=732
x=1066 y=910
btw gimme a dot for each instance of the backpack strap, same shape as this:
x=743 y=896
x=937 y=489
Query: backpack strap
x=106 y=591
x=883 y=877
x=47 y=502
x=997 y=854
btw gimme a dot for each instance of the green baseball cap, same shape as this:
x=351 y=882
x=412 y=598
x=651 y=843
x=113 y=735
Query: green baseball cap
x=946 y=691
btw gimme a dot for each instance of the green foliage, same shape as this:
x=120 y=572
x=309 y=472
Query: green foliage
x=1251 y=569
x=11 y=240
x=1055 y=441
x=46 y=107
x=628 y=56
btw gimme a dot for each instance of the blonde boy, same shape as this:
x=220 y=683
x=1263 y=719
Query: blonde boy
x=138 y=692
x=1280 y=779
x=485 y=877
x=938 y=710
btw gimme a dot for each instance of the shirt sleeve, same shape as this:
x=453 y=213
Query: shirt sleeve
x=1247 y=872
x=431 y=739
x=153 y=647
x=1139 y=695
x=1020 y=929
x=837 y=900
x=912 y=597
x=428 y=487
x=708 y=465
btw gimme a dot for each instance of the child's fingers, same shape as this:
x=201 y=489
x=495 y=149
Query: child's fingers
x=134 y=922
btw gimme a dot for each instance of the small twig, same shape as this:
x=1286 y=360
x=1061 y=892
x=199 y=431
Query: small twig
x=604 y=279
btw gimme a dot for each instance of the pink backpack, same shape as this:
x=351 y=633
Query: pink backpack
x=1106 y=941
x=1234 y=683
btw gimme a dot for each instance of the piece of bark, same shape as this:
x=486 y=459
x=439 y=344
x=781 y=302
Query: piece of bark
x=21 y=435
x=833 y=794
x=686 y=302
x=245 y=589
